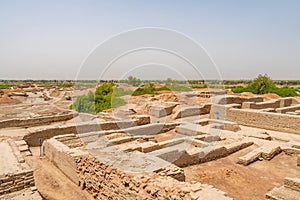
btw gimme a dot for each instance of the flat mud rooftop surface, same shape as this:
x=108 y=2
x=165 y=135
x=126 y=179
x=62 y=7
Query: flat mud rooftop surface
x=244 y=183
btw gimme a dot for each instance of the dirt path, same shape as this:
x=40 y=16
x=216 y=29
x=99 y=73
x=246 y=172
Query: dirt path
x=241 y=182
x=51 y=182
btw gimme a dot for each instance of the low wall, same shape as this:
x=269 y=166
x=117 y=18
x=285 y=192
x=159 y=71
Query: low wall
x=279 y=103
x=12 y=180
x=63 y=157
x=262 y=105
x=192 y=111
x=161 y=110
x=36 y=121
x=47 y=133
x=219 y=111
x=288 y=109
x=207 y=154
x=16 y=182
x=265 y=120
x=288 y=101
x=228 y=99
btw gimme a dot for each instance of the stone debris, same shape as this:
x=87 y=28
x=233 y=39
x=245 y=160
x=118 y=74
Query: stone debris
x=283 y=193
x=290 y=150
x=292 y=183
x=236 y=146
x=190 y=129
x=267 y=152
x=289 y=191
x=260 y=135
x=149 y=146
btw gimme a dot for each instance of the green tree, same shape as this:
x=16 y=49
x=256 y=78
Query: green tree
x=84 y=103
x=133 y=81
x=171 y=83
x=262 y=85
x=102 y=99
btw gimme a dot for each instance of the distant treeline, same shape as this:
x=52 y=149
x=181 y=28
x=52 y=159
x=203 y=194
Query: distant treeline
x=192 y=82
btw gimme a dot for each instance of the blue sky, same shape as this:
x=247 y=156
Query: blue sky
x=51 y=39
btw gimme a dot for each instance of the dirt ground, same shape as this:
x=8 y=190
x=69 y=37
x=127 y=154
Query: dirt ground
x=244 y=182
x=51 y=182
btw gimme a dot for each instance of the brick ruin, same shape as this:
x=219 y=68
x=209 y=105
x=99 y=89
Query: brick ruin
x=144 y=158
x=15 y=173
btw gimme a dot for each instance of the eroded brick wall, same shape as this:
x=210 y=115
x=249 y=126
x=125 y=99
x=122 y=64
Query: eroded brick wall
x=35 y=121
x=265 y=120
x=105 y=182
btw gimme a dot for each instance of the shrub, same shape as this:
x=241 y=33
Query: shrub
x=146 y=89
x=285 y=92
x=5 y=86
x=200 y=86
x=180 y=88
x=65 y=85
x=263 y=85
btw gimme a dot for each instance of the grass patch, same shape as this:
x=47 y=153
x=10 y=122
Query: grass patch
x=5 y=86
x=118 y=92
x=65 y=85
x=147 y=89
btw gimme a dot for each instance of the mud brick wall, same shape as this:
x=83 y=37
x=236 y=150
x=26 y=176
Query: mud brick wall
x=104 y=182
x=271 y=121
x=63 y=157
x=36 y=121
x=47 y=133
x=238 y=100
x=262 y=105
x=288 y=109
x=192 y=111
x=288 y=101
x=18 y=180
x=15 y=182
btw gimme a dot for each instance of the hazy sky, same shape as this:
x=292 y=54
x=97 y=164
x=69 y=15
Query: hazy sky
x=51 y=39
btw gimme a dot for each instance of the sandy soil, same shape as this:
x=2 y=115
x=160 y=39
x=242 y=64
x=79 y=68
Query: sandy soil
x=51 y=182
x=244 y=182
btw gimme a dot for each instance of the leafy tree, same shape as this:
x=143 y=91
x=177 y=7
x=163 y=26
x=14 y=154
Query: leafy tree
x=102 y=99
x=262 y=85
x=133 y=81
x=170 y=82
x=84 y=103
